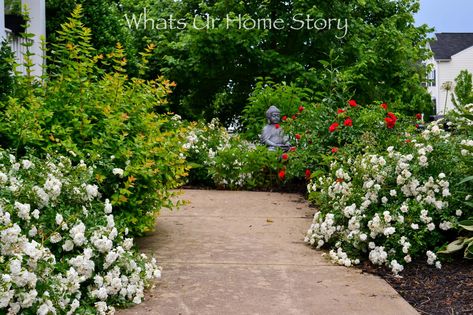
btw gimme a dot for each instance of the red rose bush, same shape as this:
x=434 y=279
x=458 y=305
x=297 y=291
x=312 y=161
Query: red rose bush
x=392 y=206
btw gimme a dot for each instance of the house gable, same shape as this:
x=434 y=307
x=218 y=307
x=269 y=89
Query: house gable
x=447 y=45
x=466 y=53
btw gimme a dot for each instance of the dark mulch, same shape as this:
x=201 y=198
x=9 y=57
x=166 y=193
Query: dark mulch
x=433 y=291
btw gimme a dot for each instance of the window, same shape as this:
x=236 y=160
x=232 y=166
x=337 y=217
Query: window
x=431 y=81
x=12 y=7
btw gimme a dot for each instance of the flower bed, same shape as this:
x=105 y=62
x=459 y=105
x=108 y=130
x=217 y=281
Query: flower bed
x=228 y=161
x=392 y=206
x=61 y=251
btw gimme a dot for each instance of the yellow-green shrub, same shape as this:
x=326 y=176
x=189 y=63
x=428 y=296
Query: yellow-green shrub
x=105 y=119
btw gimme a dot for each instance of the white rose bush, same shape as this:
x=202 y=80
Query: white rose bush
x=393 y=206
x=228 y=161
x=61 y=251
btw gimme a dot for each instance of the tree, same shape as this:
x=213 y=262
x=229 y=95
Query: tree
x=375 y=48
x=6 y=70
x=463 y=89
x=105 y=19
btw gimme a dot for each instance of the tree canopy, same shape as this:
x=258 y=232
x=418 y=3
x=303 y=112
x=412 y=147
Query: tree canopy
x=369 y=49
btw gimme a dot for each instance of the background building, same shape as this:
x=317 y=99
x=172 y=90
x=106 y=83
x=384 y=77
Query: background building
x=11 y=28
x=453 y=52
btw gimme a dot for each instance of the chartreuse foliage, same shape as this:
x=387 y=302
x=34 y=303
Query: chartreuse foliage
x=105 y=20
x=104 y=118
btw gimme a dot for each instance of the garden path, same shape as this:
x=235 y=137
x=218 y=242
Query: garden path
x=243 y=253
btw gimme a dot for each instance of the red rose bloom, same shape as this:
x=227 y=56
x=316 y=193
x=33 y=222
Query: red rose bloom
x=292 y=149
x=417 y=125
x=384 y=106
x=285 y=156
x=293 y=117
x=333 y=127
x=307 y=173
x=301 y=108
x=277 y=126
x=340 y=111
x=408 y=140
x=390 y=120
x=418 y=116
x=348 y=122
x=298 y=136
x=334 y=150
x=284 y=118
x=282 y=174
x=392 y=116
x=352 y=103
x=390 y=123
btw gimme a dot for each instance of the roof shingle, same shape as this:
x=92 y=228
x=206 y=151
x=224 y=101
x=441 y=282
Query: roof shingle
x=448 y=44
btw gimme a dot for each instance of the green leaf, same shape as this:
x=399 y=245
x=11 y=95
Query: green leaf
x=195 y=165
x=454 y=246
x=467 y=179
x=469 y=250
x=466 y=224
x=468 y=203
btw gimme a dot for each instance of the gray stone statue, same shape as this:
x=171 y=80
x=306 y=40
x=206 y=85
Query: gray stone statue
x=273 y=135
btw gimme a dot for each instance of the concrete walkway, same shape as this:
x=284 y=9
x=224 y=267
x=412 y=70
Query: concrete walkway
x=243 y=253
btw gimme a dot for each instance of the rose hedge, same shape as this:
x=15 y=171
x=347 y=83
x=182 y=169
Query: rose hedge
x=393 y=206
x=61 y=250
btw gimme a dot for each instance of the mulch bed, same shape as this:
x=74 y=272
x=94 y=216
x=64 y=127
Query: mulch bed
x=433 y=291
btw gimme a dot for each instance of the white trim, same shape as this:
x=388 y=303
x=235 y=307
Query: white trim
x=2 y=20
x=37 y=27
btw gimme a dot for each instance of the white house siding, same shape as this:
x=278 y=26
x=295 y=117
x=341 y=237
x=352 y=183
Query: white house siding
x=38 y=27
x=37 y=12
x=448 y=71
x=2 y=20
x=432 y=87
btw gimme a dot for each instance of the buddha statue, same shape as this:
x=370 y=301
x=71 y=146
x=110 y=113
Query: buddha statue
x=273 y=136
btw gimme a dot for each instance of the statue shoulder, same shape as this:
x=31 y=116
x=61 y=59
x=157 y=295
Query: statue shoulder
x=267 y=127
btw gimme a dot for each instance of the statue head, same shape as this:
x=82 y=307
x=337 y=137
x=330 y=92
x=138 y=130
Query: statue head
x=273 y=115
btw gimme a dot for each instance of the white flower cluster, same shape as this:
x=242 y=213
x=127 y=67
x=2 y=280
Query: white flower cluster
x=321 y=229
x=52 y=250
x=432 y=259
x=376 y=204
x=224 y=155
x=468 y=147
x=341 y=258
x=435 y=130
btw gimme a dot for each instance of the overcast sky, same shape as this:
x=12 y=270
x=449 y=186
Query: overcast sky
x=446 y=15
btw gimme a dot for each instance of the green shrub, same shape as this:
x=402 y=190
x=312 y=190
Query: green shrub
x=104 y=118
x=287 y=98
x=319 y=134
x=463 y=89
x=394 y=205
x=6 y=70
x=228 y=161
